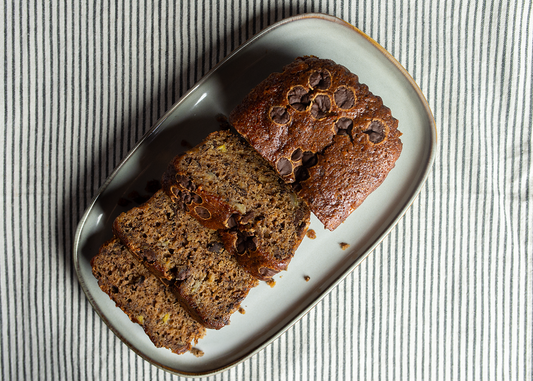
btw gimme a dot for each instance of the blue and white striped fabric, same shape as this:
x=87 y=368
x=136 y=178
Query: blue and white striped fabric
x=447 y=295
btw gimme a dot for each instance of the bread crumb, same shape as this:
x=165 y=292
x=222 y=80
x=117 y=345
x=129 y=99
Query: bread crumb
x=311 y=234
x=344 y=245
x=242 y=310
x=307 y=278
x=271 y=282
x=197 y=352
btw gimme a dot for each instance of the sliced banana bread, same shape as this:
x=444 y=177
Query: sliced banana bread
x=225 y=184
x=188 y=257
x=324 y=132
x=144 y=298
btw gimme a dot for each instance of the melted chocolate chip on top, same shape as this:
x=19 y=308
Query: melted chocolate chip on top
x=284 y=166
x=375 y=131
x=344 y=98
x=321 y=106
x=320 y=80
x=280 y=115
x=298 y=98
x=343 y=126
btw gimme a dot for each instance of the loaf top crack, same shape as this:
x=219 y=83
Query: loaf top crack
x=323 y=132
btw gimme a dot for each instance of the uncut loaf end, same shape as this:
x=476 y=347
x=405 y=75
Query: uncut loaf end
x=324 y=132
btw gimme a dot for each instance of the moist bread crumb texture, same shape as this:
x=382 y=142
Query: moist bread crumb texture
x=188 y=257
x=225 y=184
x=145 y=299
x=323 y=132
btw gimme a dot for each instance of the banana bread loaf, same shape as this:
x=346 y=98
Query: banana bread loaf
x=225 y=184
x=188 y=257
x=144 y=298
x=322 y=131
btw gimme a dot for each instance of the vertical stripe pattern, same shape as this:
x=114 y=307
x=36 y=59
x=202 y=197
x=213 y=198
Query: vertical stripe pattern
x=447 y=295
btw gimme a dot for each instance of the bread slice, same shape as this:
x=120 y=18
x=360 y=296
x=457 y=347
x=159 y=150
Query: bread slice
x=188 y=257
x=225 y=184
x=322 y=131
x=144 y=298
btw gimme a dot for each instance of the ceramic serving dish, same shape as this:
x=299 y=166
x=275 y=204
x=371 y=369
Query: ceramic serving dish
x=269 y=310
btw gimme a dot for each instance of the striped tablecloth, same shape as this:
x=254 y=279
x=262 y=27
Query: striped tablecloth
x=447 y=295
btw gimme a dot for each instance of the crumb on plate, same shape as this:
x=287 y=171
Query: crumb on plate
x=311 y=234
x=197 y=352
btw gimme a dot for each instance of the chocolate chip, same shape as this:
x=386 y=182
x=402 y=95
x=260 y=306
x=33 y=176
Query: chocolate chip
x=301 y=229
x=301 y=174
x=186 y=197
x=320 y=107
x=180 y=205
x=344 y=98
x=266 y=272
x=202 y=212
x=245 y=241
x=247 y=217
x=309 y=159
x=232 y=221
x=284 y=166
x=175 y=191
x=280 y=115
x=185 y=182
x=251 y=244
x=343 y=126
x=196 y=199
x=240 y=244
x=320 y=80
x=215 y=247
x=298 y=215
x=299 y=98
x=297 y=154
x=375 y=131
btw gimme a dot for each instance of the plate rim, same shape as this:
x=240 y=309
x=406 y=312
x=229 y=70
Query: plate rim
x=341 y=277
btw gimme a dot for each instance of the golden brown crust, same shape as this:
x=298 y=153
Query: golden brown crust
x=298 y=119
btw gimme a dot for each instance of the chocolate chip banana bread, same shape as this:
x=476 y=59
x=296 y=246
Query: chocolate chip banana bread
x=144 y=298
x=225 y=184
x=322 y=131
x=188 y=257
